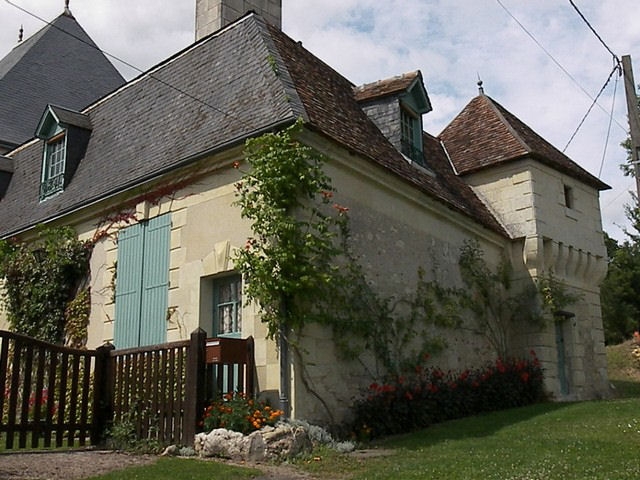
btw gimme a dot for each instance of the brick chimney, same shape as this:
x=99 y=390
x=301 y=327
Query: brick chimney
x=212 y=15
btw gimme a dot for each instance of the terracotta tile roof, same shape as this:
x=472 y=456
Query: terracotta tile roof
x=332 y=109
x=486 y=134
x=390 y=86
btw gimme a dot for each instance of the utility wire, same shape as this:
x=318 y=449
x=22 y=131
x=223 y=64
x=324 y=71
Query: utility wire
x=124 y=62
x=615 y=57
x=558 y=64
x=616 y=68
x=606 y=142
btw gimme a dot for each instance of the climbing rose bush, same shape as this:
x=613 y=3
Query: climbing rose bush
x=239 y=413
x=431 y=396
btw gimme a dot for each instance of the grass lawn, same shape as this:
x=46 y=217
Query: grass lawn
x=568 y=441
x=591 y=440
x=624 y=374
x=171 y=468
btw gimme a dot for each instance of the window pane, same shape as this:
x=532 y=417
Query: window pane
x=228 y=305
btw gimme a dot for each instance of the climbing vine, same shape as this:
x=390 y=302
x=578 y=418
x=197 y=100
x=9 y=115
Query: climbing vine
x=299 y=268
x=40 y=281
x=290 y=261
x=497 y=303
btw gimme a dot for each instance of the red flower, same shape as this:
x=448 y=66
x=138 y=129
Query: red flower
x=326 y=194
x=408 y=396
x=524 y=376
x=236 y=164
x=341 y=210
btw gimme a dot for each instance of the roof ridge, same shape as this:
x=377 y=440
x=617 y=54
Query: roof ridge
x=493 y=104
x=280 y=68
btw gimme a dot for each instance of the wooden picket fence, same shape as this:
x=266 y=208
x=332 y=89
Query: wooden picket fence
x=57 y=396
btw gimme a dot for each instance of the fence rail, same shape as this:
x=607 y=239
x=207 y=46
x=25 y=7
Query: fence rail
x=47 y=393
x=56 y=396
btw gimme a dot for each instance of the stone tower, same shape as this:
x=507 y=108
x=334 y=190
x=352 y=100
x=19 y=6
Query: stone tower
x=212 y=15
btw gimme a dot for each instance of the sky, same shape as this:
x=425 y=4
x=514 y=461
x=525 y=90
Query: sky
x=539 y=59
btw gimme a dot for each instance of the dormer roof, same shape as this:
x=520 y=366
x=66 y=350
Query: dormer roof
x=62 y=117
x=60 y=65
x=485 y=134
x=408 y=84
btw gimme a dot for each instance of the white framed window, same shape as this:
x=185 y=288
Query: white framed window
x=227 y=306
x=53 y=166
x=410 y=136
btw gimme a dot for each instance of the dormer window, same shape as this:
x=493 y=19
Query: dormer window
x=53 y=170
x=396 y=106
x=411 y=139
x=66 y=135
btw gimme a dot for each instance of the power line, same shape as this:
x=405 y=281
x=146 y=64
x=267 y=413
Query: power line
x=606 y=142
x=615 y=57
x=124 y=62
x=616 y=68
x=558 y=64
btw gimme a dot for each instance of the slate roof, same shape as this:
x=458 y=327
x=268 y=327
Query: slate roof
x=51 y=67
x=485 y=134
x=241 y=81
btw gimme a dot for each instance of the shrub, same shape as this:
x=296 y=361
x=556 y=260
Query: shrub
x=432 y=396
x=239 y=413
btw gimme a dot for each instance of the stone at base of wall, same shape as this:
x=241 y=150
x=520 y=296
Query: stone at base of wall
x=268 y=443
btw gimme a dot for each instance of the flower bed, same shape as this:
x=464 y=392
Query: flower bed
x=432 y=396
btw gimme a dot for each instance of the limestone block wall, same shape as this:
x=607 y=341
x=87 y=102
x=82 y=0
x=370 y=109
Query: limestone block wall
x=556 y=225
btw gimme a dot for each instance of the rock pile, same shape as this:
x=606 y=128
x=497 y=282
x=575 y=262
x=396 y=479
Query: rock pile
x=269 y=443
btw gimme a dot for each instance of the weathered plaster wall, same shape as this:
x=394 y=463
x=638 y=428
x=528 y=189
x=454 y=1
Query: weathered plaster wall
x=394 y=232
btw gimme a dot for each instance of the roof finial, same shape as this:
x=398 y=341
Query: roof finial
x=480 y=89
x=67 y=12
x=20 y=33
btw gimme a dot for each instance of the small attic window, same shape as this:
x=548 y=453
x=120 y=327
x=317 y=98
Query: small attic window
x=53 y=168
x=66 y=134
x=411 y=135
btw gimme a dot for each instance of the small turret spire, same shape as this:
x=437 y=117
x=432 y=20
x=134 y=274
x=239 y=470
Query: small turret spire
x=480 y=89
x=20 y=34
x=67 y=12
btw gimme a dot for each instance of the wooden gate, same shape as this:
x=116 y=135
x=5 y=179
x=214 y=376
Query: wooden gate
x=57 y=396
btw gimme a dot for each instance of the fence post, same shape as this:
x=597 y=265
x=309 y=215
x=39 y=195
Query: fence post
x=251 y=366
x=195 y=386
x=102 y=392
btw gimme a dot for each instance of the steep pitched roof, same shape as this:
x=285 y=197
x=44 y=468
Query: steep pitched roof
x=60 y=64
x=241 y=81
x=485 y=134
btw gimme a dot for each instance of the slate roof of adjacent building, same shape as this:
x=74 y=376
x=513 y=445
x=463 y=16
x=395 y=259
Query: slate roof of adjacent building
x=61 y=65
x=486 y=134
x=246 y=79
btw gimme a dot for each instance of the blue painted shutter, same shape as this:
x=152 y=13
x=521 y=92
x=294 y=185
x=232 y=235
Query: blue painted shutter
x=128 y=286
x=142 y=283
x=155 y=281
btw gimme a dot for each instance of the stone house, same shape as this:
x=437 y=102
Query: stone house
x=151 y=165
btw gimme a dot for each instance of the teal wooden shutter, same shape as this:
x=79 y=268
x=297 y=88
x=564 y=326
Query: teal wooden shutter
x=128 y=286
x=142 y=283
x=155 y=281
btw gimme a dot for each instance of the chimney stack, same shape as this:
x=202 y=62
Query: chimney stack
x=212 y=15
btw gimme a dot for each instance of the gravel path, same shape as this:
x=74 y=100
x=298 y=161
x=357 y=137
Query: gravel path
x=82 y=464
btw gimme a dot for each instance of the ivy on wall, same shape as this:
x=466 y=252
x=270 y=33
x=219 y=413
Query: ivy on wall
x=40 y=281
x=497 y=303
